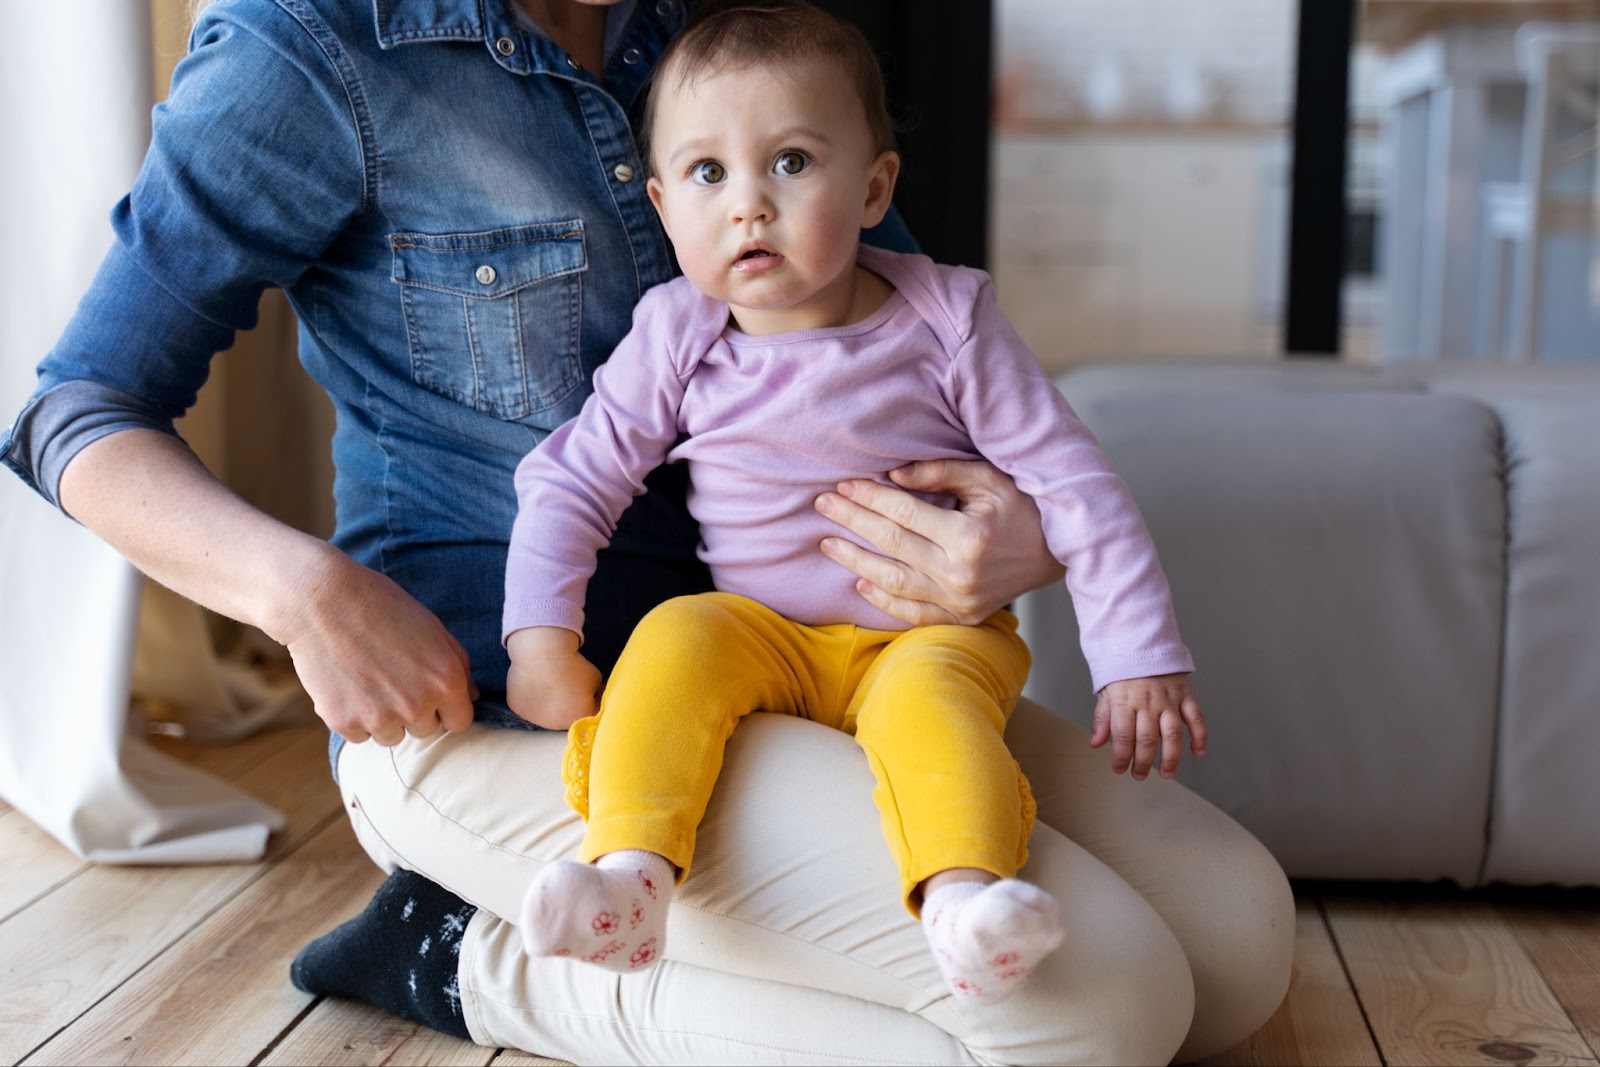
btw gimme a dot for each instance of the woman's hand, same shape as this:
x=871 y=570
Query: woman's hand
x=375 y=662
x=938 y=565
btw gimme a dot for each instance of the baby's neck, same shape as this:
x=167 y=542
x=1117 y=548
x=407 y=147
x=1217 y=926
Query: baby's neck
x=856 y=295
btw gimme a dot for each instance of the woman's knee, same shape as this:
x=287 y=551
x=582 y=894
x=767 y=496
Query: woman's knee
x=1143 y=1000
x=1240 y=949
x=1124 y=997
x=1119 y=990
x=478 y=812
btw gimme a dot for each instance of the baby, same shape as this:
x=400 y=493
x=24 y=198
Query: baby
x=788 y=359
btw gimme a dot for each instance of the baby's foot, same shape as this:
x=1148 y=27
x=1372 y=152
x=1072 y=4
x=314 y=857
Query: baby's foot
x=612 y=913
x=988 y=938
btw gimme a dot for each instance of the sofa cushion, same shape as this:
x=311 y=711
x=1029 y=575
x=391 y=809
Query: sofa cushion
x=1544 y=826
x=1334 y=537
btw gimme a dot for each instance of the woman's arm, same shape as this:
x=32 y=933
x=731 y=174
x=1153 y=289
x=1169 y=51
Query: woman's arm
x=375 y=662
x=938 y=565
x=229 y=176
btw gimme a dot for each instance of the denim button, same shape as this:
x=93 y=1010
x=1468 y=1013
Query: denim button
x=632 y=56
x=664 y=7
x=573 y=63
x=623 y=172
x=485 y=275
x=505 y=46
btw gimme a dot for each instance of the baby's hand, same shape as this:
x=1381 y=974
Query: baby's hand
x=550 y=684
x=1136 y=713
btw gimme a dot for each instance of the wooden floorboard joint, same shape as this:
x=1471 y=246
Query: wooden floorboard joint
x=272 y=1046
x=23 y=905
x=1572 y=1018
x=183 y=967
x=1338 y=951
x=152 y=961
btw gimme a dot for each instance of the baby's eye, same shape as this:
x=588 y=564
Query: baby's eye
x=707 y=172
x=791 y=163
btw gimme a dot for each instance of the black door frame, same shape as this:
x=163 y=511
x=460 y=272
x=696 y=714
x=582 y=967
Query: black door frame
x=938 y=68
x=937 y=71
x=1314 y=283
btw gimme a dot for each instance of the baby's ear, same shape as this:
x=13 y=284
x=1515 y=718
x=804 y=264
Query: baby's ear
x=654 y=188
x=882 y=173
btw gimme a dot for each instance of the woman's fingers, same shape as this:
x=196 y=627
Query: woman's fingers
x=888 y=583
x=967 y=479
x=911 y=612
x=455 y=712
x=389 y=735
x=916 y=578
x=897 y=524
x=377 y=664
x=967 y=561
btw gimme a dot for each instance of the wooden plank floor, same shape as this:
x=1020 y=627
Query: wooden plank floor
x=109 y=965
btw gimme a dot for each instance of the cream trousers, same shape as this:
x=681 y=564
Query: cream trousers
x=788 y=942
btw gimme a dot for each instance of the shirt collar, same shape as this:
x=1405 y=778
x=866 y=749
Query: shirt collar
x=618 y=18
x=496 y=23
x=405 y=21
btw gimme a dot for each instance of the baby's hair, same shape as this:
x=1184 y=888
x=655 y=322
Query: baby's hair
x=736 y=34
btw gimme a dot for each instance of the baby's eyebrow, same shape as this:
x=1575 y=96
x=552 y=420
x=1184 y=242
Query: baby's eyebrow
x=694 y=147
x=809 y=133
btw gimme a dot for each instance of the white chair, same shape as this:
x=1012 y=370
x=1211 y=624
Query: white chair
x=1562 y=64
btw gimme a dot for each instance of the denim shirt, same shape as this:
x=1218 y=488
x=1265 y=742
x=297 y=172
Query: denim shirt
x=457 y=213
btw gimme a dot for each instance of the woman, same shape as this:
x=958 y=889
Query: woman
x=449 y=192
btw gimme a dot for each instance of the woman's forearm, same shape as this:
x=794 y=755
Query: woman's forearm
x=148 y=496
x=375 y=662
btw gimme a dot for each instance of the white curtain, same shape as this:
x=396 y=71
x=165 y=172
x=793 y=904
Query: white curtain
x=75 y=97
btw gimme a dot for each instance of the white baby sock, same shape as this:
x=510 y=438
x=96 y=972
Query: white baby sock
x=612 y=913
x=987 y=938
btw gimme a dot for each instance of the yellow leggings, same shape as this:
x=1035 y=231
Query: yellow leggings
x=928 y=706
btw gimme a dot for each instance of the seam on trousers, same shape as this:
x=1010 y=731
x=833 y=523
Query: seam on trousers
x=409 y=788
x=635 y=1028
x=679 y=902
x=469 y=1004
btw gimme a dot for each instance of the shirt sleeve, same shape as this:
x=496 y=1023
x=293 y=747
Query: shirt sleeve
x=256 y=164
x=574 y=486
x=1024 y=426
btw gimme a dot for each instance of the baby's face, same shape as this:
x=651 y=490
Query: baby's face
x=764 y=178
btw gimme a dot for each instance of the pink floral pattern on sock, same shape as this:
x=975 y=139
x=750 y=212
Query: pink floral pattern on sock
x=645 y=953
x=609 y=949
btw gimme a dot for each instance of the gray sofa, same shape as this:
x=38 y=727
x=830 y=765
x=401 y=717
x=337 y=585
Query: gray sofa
x=1390 y=579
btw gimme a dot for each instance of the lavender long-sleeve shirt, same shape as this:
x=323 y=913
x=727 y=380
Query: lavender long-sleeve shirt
x=766 y=423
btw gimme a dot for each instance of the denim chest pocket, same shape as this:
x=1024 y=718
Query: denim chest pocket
x=493 y=319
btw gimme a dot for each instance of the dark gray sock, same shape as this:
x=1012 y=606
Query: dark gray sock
x=400 y=954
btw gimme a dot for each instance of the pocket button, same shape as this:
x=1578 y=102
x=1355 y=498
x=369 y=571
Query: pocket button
x=485 y=275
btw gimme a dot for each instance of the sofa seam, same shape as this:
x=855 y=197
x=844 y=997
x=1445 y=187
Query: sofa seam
x=1490 y=808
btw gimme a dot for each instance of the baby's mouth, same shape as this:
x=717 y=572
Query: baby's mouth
x=757 y=259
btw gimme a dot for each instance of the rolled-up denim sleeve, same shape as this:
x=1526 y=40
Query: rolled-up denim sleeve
x=257 y=162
